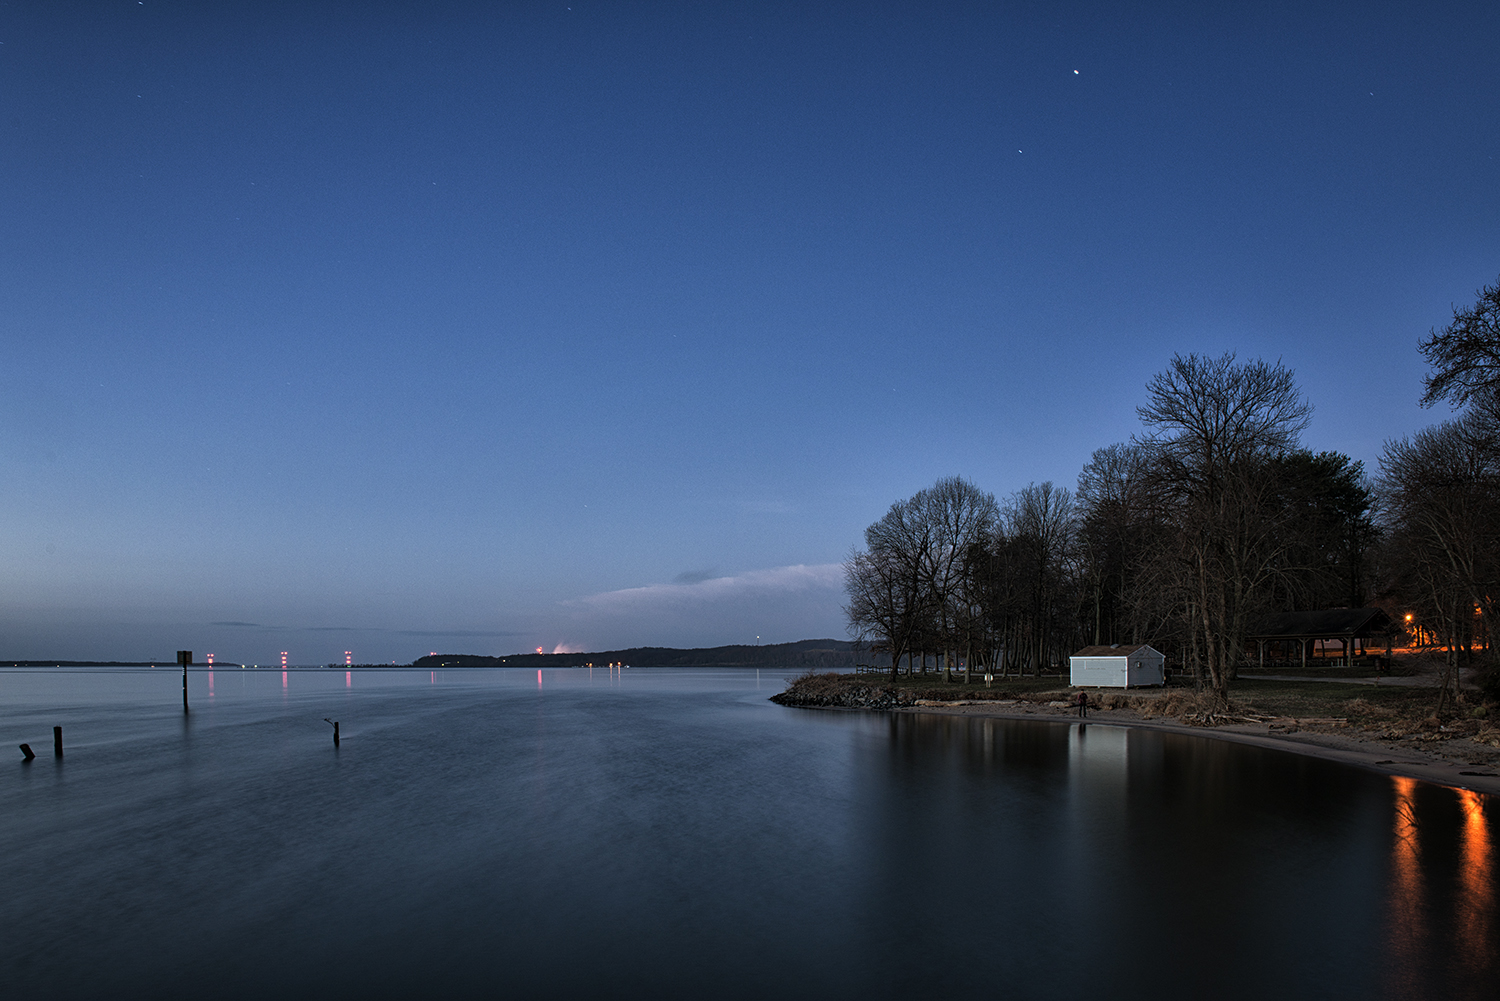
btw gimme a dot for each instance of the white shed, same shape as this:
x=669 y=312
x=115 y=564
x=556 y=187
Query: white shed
x=1118 y=666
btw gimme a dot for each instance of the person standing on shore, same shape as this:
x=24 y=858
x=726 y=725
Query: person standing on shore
x=1083 y=705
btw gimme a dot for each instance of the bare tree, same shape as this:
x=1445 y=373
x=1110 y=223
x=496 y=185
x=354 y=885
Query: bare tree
x=1465 y=355
x=1114 y=532
x=1442 y=492
x=1215 y=428
x=887 y=584
x=1039 y=530
x=907 y=588
x=959 y=515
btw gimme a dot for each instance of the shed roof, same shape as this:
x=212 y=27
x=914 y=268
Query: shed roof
x=1118 y=650
x=1329 y=622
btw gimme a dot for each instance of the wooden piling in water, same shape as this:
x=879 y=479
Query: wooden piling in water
x=26 y=750
x=184 y=657
x=57 y=741
x=335 y=733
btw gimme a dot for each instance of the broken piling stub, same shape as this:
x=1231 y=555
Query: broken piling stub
x=26 y=750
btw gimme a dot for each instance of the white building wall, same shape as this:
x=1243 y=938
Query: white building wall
x=1138 y=670
x=1098 y=672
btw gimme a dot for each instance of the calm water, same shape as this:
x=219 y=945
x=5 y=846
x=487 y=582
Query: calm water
x=672 y=834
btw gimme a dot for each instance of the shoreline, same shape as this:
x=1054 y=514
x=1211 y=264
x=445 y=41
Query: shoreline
x=1369 y=754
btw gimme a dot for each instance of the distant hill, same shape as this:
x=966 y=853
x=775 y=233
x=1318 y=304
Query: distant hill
x=829 y=655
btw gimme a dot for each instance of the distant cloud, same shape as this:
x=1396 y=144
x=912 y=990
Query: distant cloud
x=778 y=604
x=240 y=625
x=752 y=584
x=695 y=576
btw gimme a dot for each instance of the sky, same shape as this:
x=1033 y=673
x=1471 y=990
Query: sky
x=477 y=328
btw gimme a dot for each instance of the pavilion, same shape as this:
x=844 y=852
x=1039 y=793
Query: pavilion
x=1354 y=628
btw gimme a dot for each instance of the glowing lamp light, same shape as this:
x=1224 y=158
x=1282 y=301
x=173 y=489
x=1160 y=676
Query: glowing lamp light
x=348 y=658
x=538 y=649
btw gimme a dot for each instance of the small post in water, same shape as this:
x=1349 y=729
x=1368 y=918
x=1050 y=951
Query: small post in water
x=26 y=750
x=184 y=657
x=57 y=741
x=335 y=729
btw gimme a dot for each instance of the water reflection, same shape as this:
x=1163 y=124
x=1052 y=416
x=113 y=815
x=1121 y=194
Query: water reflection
x=730 y=848
x=1476 y=902
x=1408 y=926
x=1133 y=841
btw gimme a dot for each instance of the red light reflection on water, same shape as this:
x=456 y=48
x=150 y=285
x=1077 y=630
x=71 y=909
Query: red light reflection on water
x=283 y=680
x=1476 y=899
x=210 y=684
x=1408 y=909
x=539 y=678
x=348 y=679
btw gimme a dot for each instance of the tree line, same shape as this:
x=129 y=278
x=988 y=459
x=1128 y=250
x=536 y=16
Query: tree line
x=1214 y=514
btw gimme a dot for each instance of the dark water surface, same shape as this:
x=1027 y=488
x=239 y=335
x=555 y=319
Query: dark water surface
x=671 y=834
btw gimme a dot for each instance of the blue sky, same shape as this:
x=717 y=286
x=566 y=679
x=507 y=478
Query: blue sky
x=483 y=327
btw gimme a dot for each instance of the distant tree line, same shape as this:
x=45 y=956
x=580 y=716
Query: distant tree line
x=1211 y=516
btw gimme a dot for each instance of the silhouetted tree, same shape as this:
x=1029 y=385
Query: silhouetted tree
x=1442 y=494
x=1218 y=432
x=1465 y=355
x=907 y=588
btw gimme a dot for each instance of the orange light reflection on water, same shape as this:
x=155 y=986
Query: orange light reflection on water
x=1476 y=903
x=1408 y=925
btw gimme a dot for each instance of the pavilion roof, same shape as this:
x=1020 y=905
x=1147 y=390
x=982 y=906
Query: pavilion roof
x=1329 y=623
